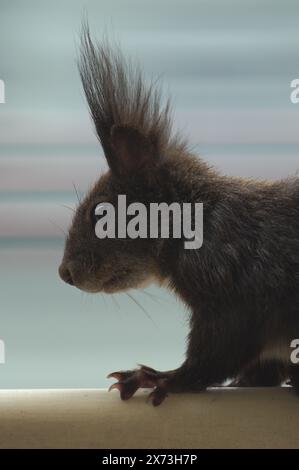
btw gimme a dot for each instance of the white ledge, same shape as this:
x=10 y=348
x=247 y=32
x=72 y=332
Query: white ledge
x=218 y=418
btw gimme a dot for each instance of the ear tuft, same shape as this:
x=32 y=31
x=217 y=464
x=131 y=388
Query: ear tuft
x=133 y=151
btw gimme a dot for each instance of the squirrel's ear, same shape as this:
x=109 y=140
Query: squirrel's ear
x=132 y=151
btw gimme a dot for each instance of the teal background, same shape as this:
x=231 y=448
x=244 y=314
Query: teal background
x=228 y=65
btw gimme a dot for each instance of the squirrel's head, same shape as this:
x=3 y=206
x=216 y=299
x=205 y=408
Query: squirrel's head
x=135 y=135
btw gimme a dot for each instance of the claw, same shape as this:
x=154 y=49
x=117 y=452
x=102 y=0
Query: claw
x=115 y=375
x=116 y=386
x=121 y=375
x=157 y=396
x=125 y=391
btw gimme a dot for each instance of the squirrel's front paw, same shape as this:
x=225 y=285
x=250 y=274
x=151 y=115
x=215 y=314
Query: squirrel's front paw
x=128 y=382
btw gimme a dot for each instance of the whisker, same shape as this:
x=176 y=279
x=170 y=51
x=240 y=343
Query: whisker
x=58 y=226
x=157 y=298
x=114 y=301
x=104 y=298
x=85 y=299
x=68 y=207
x=77 y=193
x=151 y=296
x=141 y=307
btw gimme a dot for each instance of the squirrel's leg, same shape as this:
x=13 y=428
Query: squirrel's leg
x=217 y=350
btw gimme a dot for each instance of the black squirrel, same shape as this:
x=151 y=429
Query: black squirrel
x=241 y=286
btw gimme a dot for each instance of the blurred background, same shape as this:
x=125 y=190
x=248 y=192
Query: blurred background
x=228 y=65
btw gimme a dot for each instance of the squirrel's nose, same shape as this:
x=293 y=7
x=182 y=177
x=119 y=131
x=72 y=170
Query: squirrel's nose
x=66 y=274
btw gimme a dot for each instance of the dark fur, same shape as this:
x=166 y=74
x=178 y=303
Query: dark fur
x=242 y=286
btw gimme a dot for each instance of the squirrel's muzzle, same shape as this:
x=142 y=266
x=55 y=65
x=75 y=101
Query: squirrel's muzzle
x=65 y=274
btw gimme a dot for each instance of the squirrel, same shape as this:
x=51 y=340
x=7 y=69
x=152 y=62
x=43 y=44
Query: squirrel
x=241 y=286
